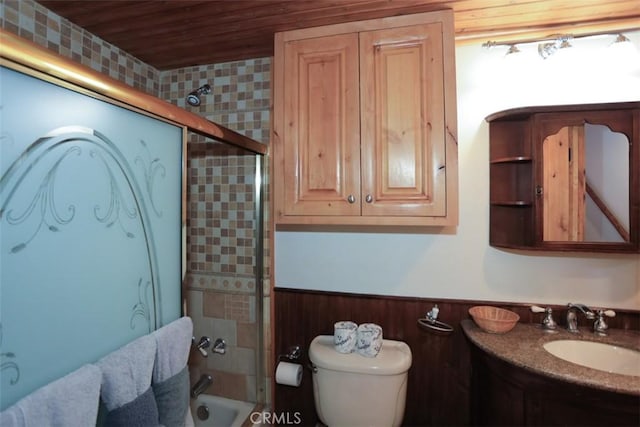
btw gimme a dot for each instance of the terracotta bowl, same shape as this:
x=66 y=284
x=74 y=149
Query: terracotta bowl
x=493 y=319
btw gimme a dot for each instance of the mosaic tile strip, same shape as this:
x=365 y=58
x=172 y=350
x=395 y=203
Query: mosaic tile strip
x=219 y=282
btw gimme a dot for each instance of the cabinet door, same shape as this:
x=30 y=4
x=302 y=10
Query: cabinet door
x=403 y=121
x=564 y=195
x=321 y=126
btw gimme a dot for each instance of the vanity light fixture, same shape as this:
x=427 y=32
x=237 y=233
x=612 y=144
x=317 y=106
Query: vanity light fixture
x=512 y=49
x=564 y=42
x=621 y=38
x=547 y=46
x=545 y=50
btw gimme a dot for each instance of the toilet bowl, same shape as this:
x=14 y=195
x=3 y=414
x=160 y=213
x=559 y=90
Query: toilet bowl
x=352 y=390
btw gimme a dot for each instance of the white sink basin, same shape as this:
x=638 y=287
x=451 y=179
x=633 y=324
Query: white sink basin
x=595 y=355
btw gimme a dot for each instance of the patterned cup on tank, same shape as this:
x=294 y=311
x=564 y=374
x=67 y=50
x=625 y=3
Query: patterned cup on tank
x=344 y=336
x=369 y=339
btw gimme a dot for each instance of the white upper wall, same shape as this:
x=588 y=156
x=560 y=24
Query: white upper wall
x=459 y=263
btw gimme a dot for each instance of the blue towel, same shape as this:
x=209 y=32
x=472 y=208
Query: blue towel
x=140 y=412
x=172 y=398
x=66 y=402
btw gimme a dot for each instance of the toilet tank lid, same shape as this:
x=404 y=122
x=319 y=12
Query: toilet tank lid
x=394 y=358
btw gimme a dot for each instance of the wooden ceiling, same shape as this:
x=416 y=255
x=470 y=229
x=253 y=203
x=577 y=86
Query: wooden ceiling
x=172 y=34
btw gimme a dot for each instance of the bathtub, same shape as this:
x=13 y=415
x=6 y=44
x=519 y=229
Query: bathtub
x=222 y=412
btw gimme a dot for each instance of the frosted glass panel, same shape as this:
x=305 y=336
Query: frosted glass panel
x=90 y=230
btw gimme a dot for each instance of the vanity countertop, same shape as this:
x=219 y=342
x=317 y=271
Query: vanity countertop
x=523 y=347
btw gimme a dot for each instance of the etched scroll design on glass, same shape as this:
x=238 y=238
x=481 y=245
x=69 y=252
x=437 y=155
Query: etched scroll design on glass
x=59 y=142
x=141 y=308
x=42 y=203
x=8 y=364
x=117 y=202
x=151 y=168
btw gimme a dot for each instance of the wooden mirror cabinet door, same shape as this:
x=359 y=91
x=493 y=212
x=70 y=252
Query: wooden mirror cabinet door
x=566 y=178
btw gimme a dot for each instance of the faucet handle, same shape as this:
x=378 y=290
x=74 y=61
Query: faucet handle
x=547 y=322
x=202 y=345
x=219 y=346
x=600 y=326
x=608 y=313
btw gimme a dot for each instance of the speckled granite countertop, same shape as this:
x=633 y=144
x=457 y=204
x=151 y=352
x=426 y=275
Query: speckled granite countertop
x=522 y=347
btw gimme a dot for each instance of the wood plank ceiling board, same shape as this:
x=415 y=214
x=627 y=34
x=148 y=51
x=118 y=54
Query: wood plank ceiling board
x=172 y=34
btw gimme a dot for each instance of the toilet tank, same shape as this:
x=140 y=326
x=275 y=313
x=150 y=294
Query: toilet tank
x=353 y=390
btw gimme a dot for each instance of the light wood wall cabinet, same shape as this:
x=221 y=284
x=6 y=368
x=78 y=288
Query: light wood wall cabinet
x=364 y=125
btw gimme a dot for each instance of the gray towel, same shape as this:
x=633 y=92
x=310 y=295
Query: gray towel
x=140 y=412
x=173 y=346
x=126 y=373
x=172 y=398
x=66 y=402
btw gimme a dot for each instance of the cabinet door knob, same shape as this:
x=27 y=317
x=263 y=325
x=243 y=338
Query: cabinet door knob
x=351 y=198
x=369 y=198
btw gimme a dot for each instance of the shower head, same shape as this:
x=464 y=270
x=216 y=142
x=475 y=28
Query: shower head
x=194 y=97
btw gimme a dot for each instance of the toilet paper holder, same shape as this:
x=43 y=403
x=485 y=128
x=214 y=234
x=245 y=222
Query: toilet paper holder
x=294 y=354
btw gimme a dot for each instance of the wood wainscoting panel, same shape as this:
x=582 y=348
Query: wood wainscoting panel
x=438 y=391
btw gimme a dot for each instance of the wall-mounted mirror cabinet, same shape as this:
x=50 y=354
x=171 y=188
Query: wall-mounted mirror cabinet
x=566 y=178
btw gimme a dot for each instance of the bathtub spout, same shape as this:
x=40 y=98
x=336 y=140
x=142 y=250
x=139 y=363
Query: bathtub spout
x=202 y=384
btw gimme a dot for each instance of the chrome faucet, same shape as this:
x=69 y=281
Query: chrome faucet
x=202 y=384
x=572 y=317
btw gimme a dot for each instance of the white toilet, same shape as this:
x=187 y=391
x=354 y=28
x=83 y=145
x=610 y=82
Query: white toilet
x=353 y=390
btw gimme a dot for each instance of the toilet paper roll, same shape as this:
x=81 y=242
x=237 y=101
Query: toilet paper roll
x=289 y=374
x=369 y=340
x=344 y=336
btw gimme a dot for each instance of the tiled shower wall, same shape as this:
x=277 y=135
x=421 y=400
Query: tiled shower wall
x=221 y=227
x=220 y=282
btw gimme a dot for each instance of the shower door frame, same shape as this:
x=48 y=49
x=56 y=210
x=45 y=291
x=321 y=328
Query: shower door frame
x=22 y=55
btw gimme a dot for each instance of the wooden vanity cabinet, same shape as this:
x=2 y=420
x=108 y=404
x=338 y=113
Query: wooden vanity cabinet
x=365 y=123
x=532 y=148
x=505 y=395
